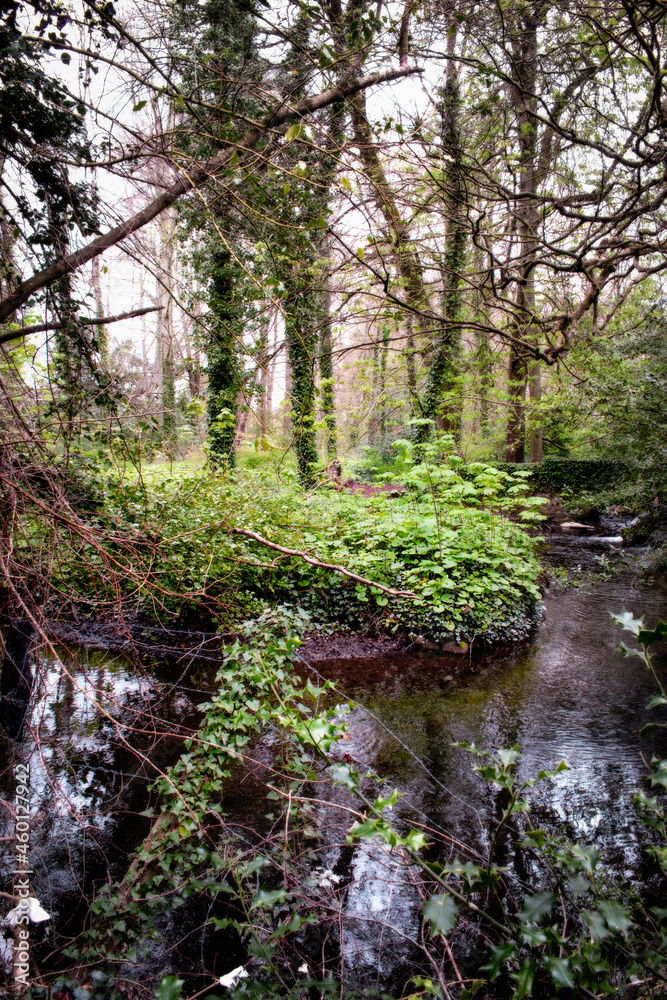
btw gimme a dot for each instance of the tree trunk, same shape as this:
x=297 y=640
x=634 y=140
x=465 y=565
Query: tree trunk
x=440 y=401
x=287 y=403
x=524 y=99
x=301 y=335
x=406 y=260
x=536 y=434
x=225 y=379
x=515 y=440
x=327 y=380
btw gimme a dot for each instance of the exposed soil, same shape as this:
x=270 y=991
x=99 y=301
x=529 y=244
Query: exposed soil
x=372 y=489
x=138 y=640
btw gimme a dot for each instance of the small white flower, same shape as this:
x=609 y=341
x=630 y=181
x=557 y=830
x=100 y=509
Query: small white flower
x=31 y=906
x=232 y=978
x=303 y=968
x=327 y=879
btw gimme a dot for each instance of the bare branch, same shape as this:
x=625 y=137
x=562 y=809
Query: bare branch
x=194 y=178
x=322 y=565
x=87 y=320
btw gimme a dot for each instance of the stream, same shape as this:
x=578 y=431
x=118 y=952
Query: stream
x=567 y=695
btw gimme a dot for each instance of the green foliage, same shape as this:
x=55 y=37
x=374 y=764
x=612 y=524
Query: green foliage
x=575 y=475
x=447 y=541
x=169 y=988
x=224 y=371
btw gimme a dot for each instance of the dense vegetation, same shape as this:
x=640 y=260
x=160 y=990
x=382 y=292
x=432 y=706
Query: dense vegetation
x=389 y=279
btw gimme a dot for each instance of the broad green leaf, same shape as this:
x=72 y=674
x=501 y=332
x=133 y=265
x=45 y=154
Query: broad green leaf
x=631 y=651
x=559 y=969
x=440 y=911
x=341 y=775
x=387 y=803
x=627 y=621
x=648 y=636
x=139 y=105
x=293 y=132
x=597 y=925
x=525 y=978
x=267 y=899
x=509 y=756
x=169 y=988
x=471 y=991
x=535 y=907
x=499 y=955
x=659 y=773
x=617 y=916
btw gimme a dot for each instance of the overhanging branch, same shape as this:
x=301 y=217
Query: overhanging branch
x=24 y=331
x=199 y=175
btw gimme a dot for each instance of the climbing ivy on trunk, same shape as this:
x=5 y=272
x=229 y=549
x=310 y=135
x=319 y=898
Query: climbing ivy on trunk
x=303 y=305
x=225 y=378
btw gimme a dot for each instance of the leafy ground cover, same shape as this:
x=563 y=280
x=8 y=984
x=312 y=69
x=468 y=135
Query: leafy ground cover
x=456 y=545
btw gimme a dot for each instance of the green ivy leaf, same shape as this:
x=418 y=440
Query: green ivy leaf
x=499 y=955
x=535 y=907
x=293 y=132
x=559 y=969
x=525 y=978
x=169 y=988
x=626 y=620
x=341 y=775
x=267 y=899
x=659 y=773
x=617 y=917
x=440 y=911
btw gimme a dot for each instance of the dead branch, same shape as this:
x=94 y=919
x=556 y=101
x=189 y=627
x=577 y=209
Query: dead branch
x=87 y=320
x=198 y=175
x=322 y=565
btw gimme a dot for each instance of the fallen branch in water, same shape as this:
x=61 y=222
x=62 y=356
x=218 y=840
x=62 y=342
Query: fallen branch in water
x=322 y=565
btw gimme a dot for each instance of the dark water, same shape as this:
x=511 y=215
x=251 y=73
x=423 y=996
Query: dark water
x=100 y=732
x=569 y=696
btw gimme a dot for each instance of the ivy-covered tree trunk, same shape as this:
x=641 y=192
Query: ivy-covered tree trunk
x=440 y=402
x=301 y=334
x=67 y=360
x=225 y=377
x=165 y=342
x=327 y=380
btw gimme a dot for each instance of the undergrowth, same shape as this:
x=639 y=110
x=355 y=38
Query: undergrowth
x=447 y=540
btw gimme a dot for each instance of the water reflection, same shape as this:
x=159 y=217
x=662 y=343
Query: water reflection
x=569 y=696
x=99 y=729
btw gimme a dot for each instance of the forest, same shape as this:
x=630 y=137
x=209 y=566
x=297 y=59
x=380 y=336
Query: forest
x=333 y=468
